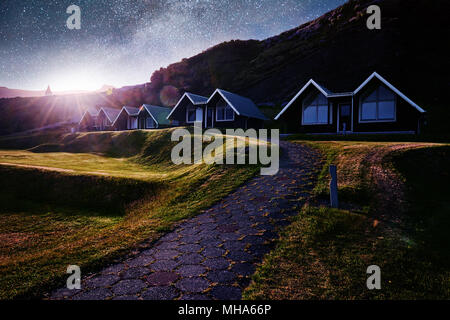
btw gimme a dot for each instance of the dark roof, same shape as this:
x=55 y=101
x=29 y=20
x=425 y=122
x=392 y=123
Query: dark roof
x=242 y=106
x=131 y=110
x=111 y=113
x=92 y=111
x=196 y=99
x=159 y=114
x=329 y=92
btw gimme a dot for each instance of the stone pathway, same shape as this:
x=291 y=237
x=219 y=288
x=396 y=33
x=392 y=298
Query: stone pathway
x=213 y=255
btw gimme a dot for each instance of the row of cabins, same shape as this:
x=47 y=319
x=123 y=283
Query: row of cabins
x=374 y=106
x=128 y=118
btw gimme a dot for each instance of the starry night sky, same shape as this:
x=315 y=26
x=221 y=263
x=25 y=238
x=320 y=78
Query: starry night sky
x=121 y=42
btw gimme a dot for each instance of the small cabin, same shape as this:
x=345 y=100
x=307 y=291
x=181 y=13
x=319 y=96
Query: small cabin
x=376 y=106
x=127 y=119
x=222 y=109
x=88 y=121
x=106 y=118
x=153 y=117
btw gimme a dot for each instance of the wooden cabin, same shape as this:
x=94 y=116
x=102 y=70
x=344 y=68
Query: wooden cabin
x=376 y=106
x=222 y=110
x=127 y=119
x=153 y=117
x=88 y=121
x=106 y=118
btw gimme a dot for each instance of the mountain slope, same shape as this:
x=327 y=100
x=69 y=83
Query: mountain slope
x=336 y=49
x=12 y=93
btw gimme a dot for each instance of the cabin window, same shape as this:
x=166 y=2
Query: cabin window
x=150 y=124
x=378 y=106
x=224 y=112
x=191 y=115
x=315 y=110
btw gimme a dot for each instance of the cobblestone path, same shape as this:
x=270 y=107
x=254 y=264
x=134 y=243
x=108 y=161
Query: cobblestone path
x=212 y=255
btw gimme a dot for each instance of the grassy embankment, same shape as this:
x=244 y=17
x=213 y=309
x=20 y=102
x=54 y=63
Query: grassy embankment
x=88 y=198
x=395 y=213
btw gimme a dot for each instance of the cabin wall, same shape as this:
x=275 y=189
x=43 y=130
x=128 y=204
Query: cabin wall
x=142 y=120
x=179 y=114
x=407 y=117
x=121 y=122
x=291 y=120
x=87 y=123
x=242 y=122
x=103 y=123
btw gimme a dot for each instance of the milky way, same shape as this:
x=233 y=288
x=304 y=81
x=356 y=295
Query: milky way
x=123 y=42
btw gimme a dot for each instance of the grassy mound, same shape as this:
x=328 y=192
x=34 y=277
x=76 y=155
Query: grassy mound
x=89 y=198
x=108 y=195
x=394 y=213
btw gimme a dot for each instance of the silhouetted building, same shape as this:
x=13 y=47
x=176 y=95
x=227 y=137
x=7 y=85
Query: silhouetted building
x=48 y=92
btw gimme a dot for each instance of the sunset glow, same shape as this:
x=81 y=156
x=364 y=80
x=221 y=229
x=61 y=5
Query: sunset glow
x=76 y=81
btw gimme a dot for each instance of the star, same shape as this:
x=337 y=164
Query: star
x=121 y=42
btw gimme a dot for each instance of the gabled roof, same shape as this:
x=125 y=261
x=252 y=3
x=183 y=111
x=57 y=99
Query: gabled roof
x=390 y=86
x=241 y=105
x=131 y=111
x=194 y=98
x=93 y=112
x=159 y=114
x=323 y=90
x=110 y=113
x=329 y=94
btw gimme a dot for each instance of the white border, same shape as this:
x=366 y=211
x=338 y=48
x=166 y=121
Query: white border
x=224 y=98
x=390 y=86
x=299 y=93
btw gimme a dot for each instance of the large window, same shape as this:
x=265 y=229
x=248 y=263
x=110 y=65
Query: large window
x=190 y=115
x=224 y=112
x=315 y=110
x=378 y=106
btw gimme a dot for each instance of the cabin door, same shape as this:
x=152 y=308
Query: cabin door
x=209 y=118
x=199 y=115
x=344 y=123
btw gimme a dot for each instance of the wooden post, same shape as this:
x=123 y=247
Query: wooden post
x=333 y=187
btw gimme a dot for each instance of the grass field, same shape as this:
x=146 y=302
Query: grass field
x=395 y=213
x=88 y=198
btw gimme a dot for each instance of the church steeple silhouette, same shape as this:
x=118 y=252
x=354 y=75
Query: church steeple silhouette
x=48 y=92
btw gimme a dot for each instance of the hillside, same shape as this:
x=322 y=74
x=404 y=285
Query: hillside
x=92 y=198
x=336 y=49
x=12 y=93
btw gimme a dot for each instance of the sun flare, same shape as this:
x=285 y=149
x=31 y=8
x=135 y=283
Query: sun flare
x=74 y=81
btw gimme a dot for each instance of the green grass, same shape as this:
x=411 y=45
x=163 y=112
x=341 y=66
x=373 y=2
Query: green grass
x=394 y=214
x=92 y=199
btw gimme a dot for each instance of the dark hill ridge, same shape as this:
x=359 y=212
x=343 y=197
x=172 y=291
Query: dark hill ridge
x=335 y=49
